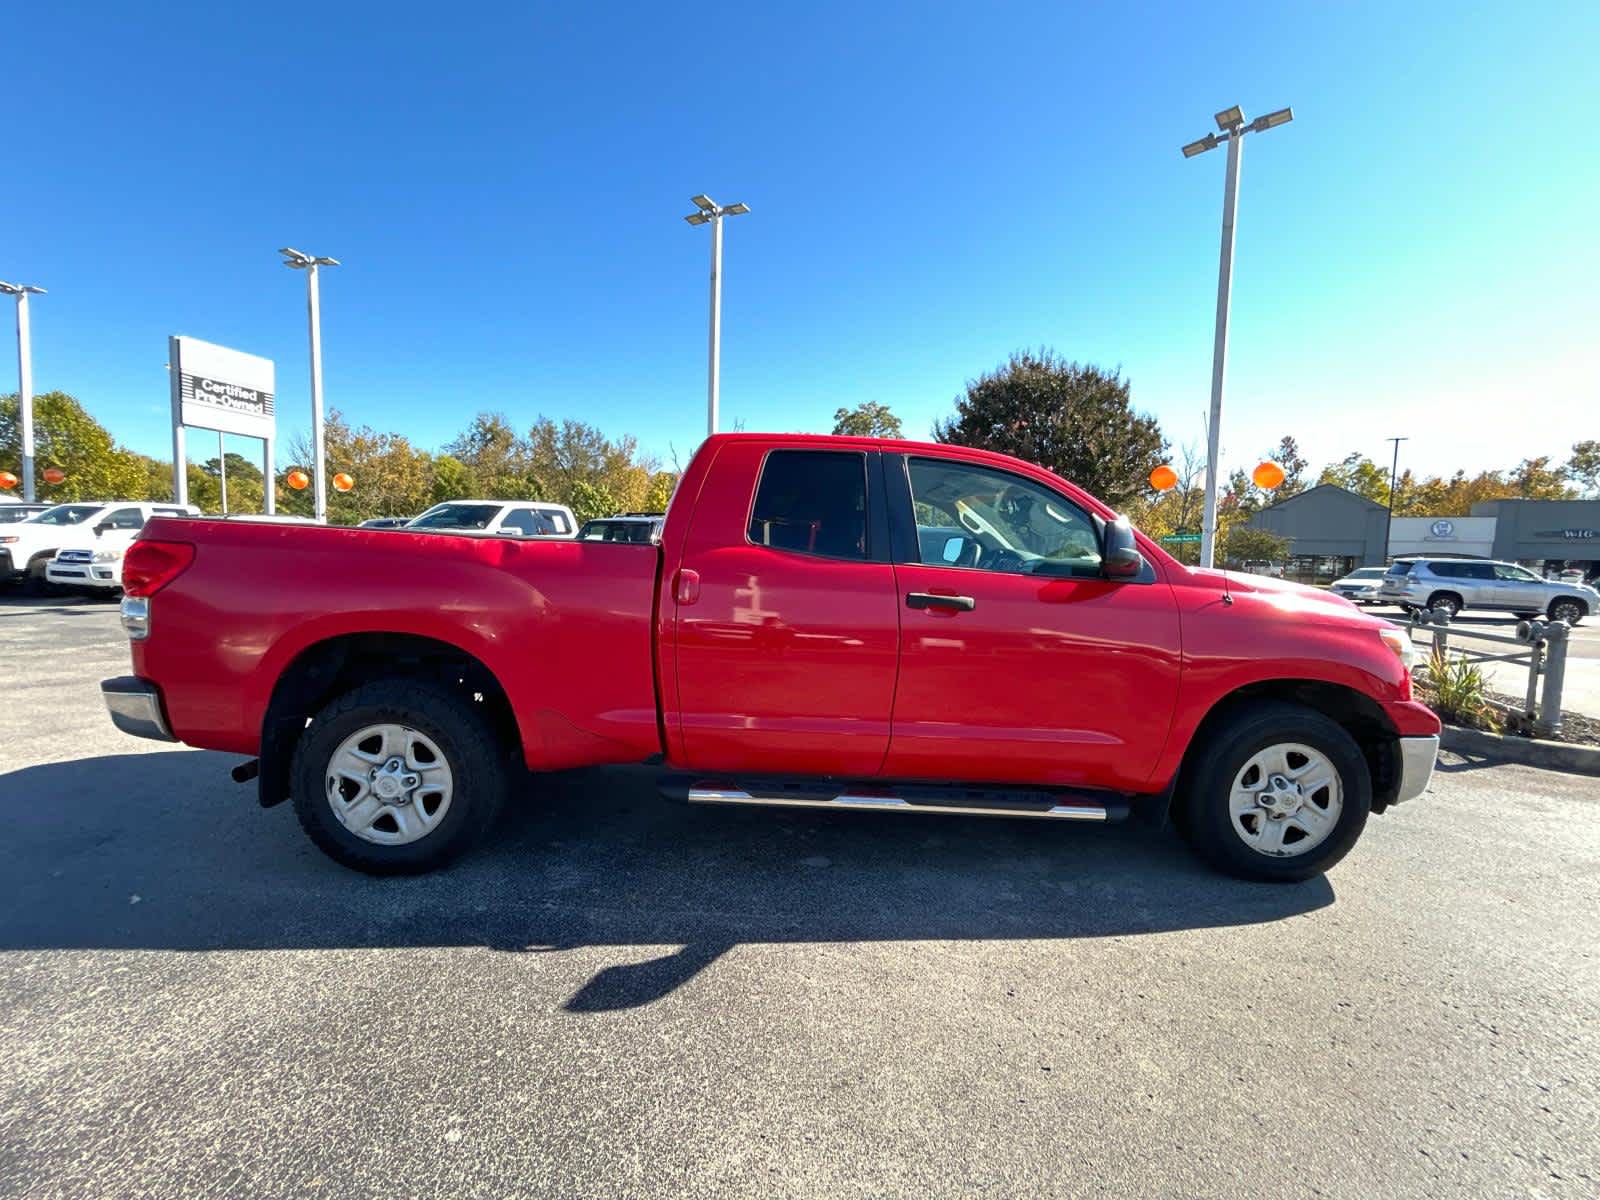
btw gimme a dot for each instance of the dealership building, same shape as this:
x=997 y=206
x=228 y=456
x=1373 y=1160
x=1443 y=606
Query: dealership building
x=1331 y=531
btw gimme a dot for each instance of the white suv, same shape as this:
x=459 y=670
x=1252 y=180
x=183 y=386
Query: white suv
x=504 y=518
x=27 y=547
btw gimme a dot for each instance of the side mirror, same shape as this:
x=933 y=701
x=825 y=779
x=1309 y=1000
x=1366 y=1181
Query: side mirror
x=101 y=528
x=1122 y=558
x=952 y=549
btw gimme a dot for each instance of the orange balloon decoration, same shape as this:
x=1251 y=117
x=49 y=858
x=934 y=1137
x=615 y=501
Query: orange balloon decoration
x=54 y=475
x=1163 y=477
x=1268 y=475
x=343 y=482
x=298 y=480
x=7 y=481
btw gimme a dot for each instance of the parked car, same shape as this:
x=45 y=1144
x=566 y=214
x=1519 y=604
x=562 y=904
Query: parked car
x=12 y=511
x=1262 y=566
x=1361 y=585
x=385 y=522
x=507 y=518
x=632 y=528
x=827 y=622
x=27 y=547
x=1451 y=585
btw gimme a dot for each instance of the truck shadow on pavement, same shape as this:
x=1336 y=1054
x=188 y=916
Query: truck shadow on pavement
x=161 y=851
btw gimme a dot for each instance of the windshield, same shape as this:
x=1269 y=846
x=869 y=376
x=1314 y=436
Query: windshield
x=456 y=516
x=67 y=514
x=1366 y=573
x=1400 y=568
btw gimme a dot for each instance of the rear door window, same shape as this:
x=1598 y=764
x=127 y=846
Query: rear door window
x=812 y=502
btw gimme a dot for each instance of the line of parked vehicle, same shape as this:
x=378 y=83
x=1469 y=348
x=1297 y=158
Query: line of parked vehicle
x=1451 y=585
x=80 y=545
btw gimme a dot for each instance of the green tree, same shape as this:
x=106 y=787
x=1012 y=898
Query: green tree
x=1245 y=544
x=659 y=494
x=66 y=437
x=1583 y=468
x=452 y=479
x=867 y=419
x=392 y=477
x=1359 y=474
x=1076 y=419
x=588 y=501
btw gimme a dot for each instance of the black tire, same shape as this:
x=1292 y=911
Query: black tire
x=1446 y=602
x=1251 y=728
x=475 y=756
x=1568 y=609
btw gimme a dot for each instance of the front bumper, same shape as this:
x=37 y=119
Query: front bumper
x=95 y=575
x=135 y=707
x=1417 y=756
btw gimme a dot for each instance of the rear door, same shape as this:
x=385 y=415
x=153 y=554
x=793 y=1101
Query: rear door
x=1019 y=661
x=786 y=622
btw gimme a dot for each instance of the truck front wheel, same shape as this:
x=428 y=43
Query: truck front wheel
x=396 y=777
x=1281 y=793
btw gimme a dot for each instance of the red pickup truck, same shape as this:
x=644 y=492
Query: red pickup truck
x=826 y=622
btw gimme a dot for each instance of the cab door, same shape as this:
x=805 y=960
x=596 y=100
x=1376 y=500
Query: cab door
x=1019 y=661
x=786 y=621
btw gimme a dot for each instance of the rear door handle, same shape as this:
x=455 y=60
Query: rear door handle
x=931 y=600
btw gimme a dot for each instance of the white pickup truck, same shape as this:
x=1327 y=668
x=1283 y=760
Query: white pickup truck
x=503 y=518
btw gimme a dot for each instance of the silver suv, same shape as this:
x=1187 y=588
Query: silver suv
x=1449 y=585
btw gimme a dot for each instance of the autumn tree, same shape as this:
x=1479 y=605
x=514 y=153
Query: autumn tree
x=867 y=419
x=1583 y=468
x=1074 y=418
x=1359 y=474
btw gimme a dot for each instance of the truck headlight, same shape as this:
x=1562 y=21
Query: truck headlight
x=1399 y=641
x=107 y=555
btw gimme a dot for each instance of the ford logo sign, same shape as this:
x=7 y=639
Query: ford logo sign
x=1442 y=529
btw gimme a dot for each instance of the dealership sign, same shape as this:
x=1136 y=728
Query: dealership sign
x=1568 y=535
x=1443 y=529
x=214 y=387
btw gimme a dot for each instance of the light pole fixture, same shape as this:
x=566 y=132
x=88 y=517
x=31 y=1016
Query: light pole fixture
x=1231 y=128
x=24 y=377
x=1394 y=478
x=711 y=211
x=300 y=261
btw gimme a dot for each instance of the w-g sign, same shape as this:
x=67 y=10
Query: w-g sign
x=214 y=387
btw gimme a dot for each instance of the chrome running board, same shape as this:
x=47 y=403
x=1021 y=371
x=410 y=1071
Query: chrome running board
x=712 y=794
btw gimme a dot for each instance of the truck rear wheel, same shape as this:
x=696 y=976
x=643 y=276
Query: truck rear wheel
x=397 y=777
x=1281 y=794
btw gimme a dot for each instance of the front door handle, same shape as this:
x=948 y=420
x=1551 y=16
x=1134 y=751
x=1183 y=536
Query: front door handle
x=932 y=600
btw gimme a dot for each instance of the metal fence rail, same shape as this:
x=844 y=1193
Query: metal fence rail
x=1544 y=650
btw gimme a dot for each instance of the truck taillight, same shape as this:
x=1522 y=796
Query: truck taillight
x=148 y=567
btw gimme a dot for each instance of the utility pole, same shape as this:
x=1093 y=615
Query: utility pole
x=1233 y=128
x=24 y=378
x=712 y=212
x=1394 y=479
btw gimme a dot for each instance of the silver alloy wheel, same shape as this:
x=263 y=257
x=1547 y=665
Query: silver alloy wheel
x=1569 y=611
x=1446 y=605
x=389 y=784
x=1286 y=800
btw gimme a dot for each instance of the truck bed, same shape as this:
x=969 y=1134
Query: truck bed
x=565 y=626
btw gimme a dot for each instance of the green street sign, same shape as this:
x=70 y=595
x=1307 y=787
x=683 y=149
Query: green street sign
x=1181 y=537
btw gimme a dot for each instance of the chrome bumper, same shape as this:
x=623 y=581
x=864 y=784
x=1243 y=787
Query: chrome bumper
x=1417 y=756
x=135 y=707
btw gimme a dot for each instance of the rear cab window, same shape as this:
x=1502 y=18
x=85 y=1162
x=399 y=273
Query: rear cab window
x=812 y=502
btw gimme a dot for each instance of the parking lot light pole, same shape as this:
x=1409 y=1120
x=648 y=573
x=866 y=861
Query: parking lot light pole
x=1394 y=478
x=24 y=378
x=712 y=212
x=1232 y=127
x=300 y=261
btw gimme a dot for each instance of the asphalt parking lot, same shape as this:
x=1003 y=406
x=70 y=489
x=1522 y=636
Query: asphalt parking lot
x=623 y=998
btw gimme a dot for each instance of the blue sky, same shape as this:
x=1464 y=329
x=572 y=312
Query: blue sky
x=933 y=186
